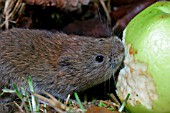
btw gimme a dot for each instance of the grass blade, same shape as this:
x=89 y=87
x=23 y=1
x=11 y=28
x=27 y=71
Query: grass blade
x=79 y=102
x=124 y=103
x=35 y=107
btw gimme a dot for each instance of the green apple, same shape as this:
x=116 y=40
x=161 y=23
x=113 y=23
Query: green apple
x=146 y=72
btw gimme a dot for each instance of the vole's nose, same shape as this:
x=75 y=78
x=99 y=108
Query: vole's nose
x=117 y=52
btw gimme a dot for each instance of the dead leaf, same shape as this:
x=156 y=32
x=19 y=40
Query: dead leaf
x=95 y=109
x=92 y=27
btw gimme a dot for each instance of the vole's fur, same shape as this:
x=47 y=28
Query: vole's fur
x=58 y=63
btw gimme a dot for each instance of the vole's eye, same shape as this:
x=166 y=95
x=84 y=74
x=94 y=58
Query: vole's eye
x=99 y=58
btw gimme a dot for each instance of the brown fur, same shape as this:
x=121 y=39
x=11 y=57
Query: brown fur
x=58 y=63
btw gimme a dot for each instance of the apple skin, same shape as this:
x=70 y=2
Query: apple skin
x=148 y=34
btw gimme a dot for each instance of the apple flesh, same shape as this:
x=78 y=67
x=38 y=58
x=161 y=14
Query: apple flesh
x=146 y=74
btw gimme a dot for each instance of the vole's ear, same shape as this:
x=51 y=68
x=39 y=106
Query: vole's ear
x=115 y=40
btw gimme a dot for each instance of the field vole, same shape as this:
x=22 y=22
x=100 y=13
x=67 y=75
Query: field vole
x=59 y=64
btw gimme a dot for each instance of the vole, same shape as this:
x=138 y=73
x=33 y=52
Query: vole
x=59 y=64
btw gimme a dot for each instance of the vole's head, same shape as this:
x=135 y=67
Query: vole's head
x=90 y=61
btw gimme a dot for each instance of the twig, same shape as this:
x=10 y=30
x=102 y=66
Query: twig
x=19 y=107
x=106 y=10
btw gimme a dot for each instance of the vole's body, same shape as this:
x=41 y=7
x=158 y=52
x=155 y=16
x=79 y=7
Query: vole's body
x=58 y=63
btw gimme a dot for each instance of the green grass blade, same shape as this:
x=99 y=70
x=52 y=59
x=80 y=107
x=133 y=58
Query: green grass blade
x=35 y=107
x=79 y=102
x=124 y=103
x=17 y=92
x=21 y=97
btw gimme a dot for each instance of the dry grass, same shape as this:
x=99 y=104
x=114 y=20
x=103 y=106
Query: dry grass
x=31 y=102
x=11 y=12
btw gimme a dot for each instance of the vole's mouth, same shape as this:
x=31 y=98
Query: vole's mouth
x=115 y=63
